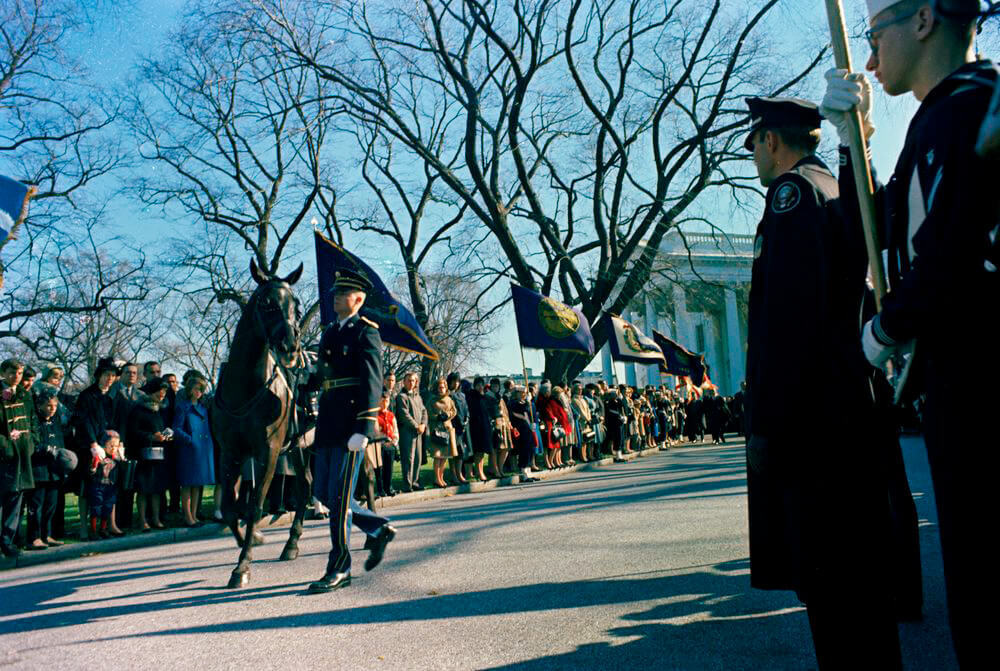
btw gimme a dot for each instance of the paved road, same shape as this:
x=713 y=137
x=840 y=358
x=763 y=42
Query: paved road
x=635 y=565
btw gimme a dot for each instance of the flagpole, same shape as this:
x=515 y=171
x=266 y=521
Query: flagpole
x=524 y=370
x=859 y=155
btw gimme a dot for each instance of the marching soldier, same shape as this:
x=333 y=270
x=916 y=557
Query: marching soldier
x=818 y=514
x=940 y=219
x=350 y=365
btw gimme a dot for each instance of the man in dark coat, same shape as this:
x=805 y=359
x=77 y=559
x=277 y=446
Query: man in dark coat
x=350 y=366
x=818 y=517
x=716 y=416
x=411 y=418
x=18 y=432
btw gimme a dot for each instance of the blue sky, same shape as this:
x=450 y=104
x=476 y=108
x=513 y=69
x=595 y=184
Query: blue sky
x=119 y=38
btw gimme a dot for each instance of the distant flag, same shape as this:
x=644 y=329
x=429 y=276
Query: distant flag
x=679 y=360
x=397 y=325
x=630 y=344
x=708 y=384
x=13 y=204
x=545 y=323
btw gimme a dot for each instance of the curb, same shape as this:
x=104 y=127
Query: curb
x=212 y=529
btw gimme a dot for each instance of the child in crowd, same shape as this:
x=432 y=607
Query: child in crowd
x=102 y=489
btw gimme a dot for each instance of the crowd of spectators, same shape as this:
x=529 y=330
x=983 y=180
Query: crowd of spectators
x=137 y=453
x=119 y=446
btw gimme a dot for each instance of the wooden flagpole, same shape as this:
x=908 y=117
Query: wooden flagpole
x=859 y=155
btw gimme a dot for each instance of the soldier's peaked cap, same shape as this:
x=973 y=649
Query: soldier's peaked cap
x=345 y=279
x=780 y=113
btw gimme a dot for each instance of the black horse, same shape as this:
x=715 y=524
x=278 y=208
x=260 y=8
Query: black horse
x=252 y=410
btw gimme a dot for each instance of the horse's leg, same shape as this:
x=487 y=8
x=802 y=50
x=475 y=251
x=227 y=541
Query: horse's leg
x=230 y=497
x=241 y=574
x=303 y=489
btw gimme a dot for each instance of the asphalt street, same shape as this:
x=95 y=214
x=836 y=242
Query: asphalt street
x=637 y=565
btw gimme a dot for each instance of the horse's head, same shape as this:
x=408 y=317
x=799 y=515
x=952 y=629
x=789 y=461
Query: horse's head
x=276 y=312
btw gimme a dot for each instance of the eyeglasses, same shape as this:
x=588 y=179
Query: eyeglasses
x=872 y=34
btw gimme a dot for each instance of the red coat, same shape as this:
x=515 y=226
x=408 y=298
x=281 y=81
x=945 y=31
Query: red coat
x=550 y=412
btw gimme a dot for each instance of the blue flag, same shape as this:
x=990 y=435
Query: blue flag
x=397 y=325
x=680 y=361
x=545 y=323
x=13 y=196
x=630 y=344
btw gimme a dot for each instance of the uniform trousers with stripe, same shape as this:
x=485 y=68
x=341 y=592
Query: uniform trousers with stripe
x=335 y=474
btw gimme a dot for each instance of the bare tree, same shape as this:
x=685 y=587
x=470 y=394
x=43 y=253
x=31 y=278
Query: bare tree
x=590 y=127
x=238 y=137
x=80 y=302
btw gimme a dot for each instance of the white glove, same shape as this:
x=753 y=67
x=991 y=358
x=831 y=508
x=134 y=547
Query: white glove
x=845 y=92
x=357 y=442
x=876 y=352
x=97 y=451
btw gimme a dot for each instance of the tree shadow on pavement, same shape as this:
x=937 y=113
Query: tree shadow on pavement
x=702 y=618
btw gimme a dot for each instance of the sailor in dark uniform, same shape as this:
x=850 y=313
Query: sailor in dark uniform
x=350 y=367
x=940 y=223
x=818 y=508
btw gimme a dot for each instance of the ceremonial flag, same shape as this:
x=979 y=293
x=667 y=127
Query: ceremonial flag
x=397 y=325
x=630 y=344
x=13 y=203
x=680 y=361
x=545 y=323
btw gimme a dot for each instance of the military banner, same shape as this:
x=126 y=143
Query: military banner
x=679 y=361
x=630 y=344
x=397 y=325
x=545 y=323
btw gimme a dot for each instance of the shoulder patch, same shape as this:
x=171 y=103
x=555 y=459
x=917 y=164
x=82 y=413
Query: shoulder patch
x=786 y=198
x=368 y=321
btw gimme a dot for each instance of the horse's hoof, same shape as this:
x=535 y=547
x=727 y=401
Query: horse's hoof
x=288 y=554
x=237 y=580
x=258 y=538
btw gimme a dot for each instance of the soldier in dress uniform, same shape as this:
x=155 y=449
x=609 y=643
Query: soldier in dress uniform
x=940 y=219
x=350 y=367
x=818 y=513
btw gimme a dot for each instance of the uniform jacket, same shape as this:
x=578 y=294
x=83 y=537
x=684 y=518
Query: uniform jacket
x=351 y=351
x=806 y=370
x=938 y=212
x=17 y=413
x=804 y=352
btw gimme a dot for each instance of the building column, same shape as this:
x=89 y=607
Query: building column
x=652 y=372
x=734 y=342
x=685 y=329
x=607 y=365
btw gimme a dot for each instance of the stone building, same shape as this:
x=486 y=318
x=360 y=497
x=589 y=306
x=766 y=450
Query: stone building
x=698 y=297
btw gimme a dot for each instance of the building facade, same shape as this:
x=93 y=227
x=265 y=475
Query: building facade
x=697 y=296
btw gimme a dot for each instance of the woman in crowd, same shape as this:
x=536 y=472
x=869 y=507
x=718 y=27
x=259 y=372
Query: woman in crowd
x=461 y=424
x=480 y=426
x=50 y=462
x=584 y=421
x=148 y=439
x=523 y=432
x=569 y=440
x=440 y=412
x=193 y=440
x=555 y=425
x=93 y=415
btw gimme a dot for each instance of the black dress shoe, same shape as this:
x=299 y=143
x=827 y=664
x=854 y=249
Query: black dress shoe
x=377 y=546
x=330 y=582
x=418 y=487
